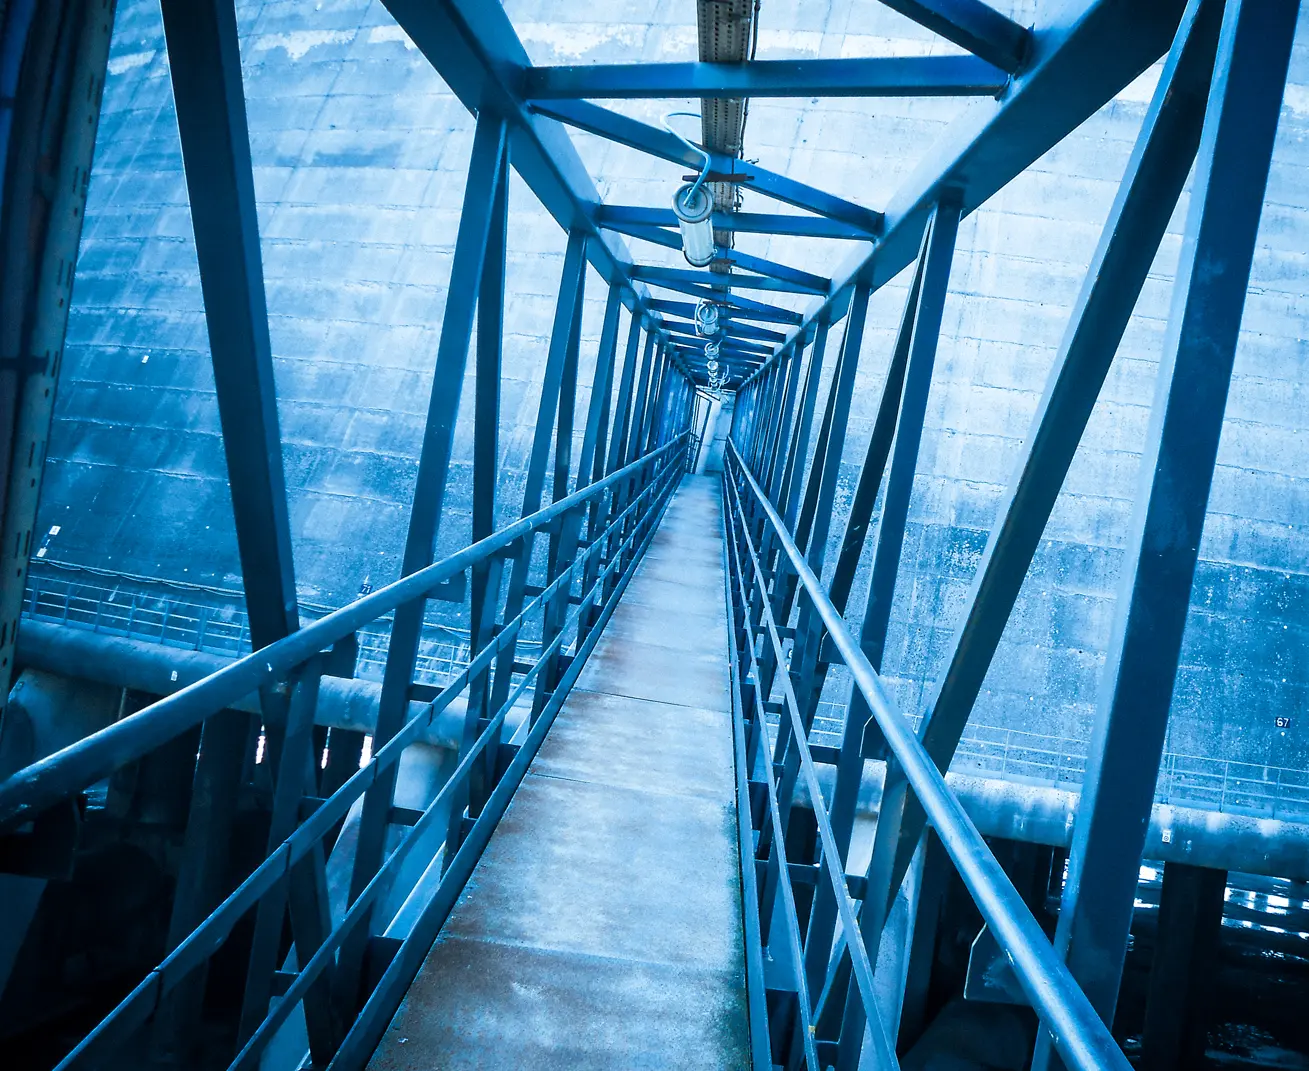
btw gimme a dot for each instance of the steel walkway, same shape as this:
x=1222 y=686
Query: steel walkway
x=602 y=927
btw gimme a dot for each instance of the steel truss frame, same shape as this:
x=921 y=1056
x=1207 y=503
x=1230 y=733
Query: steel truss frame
x=788 y=628
x=1217 y=102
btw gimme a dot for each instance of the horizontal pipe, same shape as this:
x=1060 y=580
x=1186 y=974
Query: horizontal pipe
x=1043 y=814
x=152 y=668
x=1081 y=1038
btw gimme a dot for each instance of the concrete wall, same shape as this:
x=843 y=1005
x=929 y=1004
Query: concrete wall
x=360 y=154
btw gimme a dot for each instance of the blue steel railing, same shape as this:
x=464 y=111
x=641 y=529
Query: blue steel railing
x=628 y=504
x=754 y=531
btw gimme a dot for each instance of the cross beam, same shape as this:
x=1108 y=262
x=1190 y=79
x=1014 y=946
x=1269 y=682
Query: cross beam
x=911 y=76
x=659 y=142
x=615 y=216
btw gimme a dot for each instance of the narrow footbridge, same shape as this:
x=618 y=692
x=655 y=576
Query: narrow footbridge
x=603 y=926
x=612 y=871
x=610 y=837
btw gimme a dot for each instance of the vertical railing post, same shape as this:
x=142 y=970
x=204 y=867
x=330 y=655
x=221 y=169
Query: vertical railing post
x=475 y=224
x=565 y=550
x=485 y=577
x=566 y=305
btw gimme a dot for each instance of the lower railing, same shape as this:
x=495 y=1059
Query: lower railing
x=822 y=1007
x=350 y=978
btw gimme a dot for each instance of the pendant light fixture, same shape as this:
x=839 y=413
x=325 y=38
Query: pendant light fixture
x=693 y=206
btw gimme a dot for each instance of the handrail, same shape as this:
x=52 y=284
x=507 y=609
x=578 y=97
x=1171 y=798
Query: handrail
x=635 y=525
x=862 y=966
x=1079 y=1035
x=44 y=783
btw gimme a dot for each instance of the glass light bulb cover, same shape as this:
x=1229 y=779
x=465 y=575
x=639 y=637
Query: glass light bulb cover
x=693 y=208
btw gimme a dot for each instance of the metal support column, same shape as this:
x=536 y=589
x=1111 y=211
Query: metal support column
x=475 y=225
x=1183 y=967
x=1151 y=184
x=1177 y=467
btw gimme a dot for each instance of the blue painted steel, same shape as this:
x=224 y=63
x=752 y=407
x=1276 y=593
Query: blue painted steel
x=739 y=222
x=741 y=308
x=973 y=25
x=775 y=462
x=668 y=146
x=475 y=223
x=850 y=762
x=1146 y=198
x=798 y=454
x=636 y=438
x=913 y=76
x=1081 y=65
x=79 y=765
x=731 y=346
x=567 y=308
x=803 y=279
x=477 y=53
x=938 y=252
x=660 y=276
x=1186 y=421
x=207 y=88
x=1083 y=1040
x=485 y=579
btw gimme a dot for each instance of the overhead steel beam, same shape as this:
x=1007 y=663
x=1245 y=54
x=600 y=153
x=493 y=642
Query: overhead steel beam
x=698 y=359
x=973 y=25
x=660 y=276
x=725 y=351
x=1177 y=467
x=666 y=237
x=742 y=308
x=1088 y=54
x=614 y=216
x=742 y=330
x=1151 y=184
x=762 y=266
x=686 y=310
x=477 y=53
x=668 y=146
x=669 y=239
x=206 y=73
x=681 y=329
x=913 y=76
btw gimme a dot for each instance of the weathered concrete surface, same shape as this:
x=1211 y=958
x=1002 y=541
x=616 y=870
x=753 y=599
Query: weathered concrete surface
x=602 y=927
